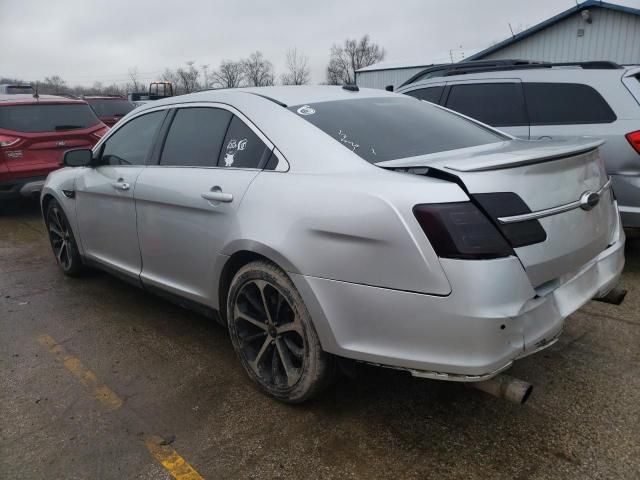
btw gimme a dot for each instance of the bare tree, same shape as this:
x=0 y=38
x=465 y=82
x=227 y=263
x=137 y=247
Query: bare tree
x=171 y=76
x=229 y=75
x=113 y=89
x=353 y=55
x=133 y=76
x=297 y=64
x=258 y=71
x=54 y=84
x=13 y=80
x=96 y=89
x=188 y=77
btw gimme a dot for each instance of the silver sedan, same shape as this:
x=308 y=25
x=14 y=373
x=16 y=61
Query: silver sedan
x=324 y=223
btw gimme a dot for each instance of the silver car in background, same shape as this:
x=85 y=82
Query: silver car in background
x=552 y=101
x=320 y=223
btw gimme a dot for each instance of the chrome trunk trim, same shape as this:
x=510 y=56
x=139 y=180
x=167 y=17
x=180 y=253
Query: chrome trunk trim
x=551 y=211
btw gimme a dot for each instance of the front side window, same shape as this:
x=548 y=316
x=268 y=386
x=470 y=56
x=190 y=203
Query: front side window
x=387 y=128
x=242 y=148
x=429 y=94
x=496 y=104
x=195 y=137
x=42 y=117
x=566 y=104
x=131 y=143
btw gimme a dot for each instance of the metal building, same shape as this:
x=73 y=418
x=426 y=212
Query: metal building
x=382 y=74
x=592 y=30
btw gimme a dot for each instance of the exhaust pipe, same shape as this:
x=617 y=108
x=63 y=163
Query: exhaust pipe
x=505 y=387
x=614 y=297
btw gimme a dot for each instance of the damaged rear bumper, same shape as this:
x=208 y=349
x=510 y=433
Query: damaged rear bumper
x=492 y=317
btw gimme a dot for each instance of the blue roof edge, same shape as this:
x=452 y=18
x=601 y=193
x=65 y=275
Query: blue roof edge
x=551 y=21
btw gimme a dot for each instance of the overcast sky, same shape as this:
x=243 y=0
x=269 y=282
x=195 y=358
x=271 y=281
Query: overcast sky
x=88 y=40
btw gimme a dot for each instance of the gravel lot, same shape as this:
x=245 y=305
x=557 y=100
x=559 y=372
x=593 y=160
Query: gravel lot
x=92 y=369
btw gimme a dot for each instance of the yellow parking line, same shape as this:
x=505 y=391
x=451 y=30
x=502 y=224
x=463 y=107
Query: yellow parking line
x=101 y=392
x=167 y=456
x=171 y=460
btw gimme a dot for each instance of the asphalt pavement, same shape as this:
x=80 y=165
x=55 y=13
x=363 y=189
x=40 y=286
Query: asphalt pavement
x=100 y=380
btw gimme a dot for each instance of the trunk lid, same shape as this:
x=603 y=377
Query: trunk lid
x=551 y=178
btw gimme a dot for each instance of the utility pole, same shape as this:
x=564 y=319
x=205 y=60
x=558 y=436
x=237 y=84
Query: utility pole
x=206 y=76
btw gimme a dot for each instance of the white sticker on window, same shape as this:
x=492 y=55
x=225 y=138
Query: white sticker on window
x=306 y=110
x=233 y=147
x=343 y=138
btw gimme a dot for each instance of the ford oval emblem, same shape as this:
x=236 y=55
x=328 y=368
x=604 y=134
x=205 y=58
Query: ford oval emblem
x=588 y=200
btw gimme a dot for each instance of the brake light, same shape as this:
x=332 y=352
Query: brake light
x=7 y=140
x=460 y=230
x=100 y=133
x=634 y=140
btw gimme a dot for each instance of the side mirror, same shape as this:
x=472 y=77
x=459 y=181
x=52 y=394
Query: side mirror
x=82 y=157
x=389 y=88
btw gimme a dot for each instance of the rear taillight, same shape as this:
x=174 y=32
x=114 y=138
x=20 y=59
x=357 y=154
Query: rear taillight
x=8 y=140
x=634 y=140
x=460 y=230
x=100 y=133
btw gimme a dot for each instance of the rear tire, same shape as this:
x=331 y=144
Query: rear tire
x=273 y=335
x=63 y=243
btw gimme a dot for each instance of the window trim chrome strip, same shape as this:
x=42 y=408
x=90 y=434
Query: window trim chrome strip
x=549 y=211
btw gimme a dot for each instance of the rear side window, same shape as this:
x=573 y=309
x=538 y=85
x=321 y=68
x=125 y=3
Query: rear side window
x=429 y=94
x=195 y=137
x=386 y=128
x=566 y=104
x=132 y=142
x=496 y=104
x=47 y=117
x=242 y=147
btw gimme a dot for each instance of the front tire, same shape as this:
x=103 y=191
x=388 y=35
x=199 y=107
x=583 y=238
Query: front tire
x=272 y=334
x=62 y=240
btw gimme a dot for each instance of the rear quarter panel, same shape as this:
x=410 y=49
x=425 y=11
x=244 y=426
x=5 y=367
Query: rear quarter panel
x=355 y=227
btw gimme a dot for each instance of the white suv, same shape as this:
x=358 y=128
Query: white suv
x=540 y=101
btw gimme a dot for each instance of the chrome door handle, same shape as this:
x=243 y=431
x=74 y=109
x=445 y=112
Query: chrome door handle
x=121 y=186
x=217 y=196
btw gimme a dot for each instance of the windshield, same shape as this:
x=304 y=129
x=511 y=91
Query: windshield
x=387 y=128
x=47 y=117
x=111 y=108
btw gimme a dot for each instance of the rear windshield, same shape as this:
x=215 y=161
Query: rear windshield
x=17 y=89
x=381 y=129
x=111 y=108
x=47 y=118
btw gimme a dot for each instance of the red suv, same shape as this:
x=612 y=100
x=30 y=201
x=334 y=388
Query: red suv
x=35 y=133
x=110 y=109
